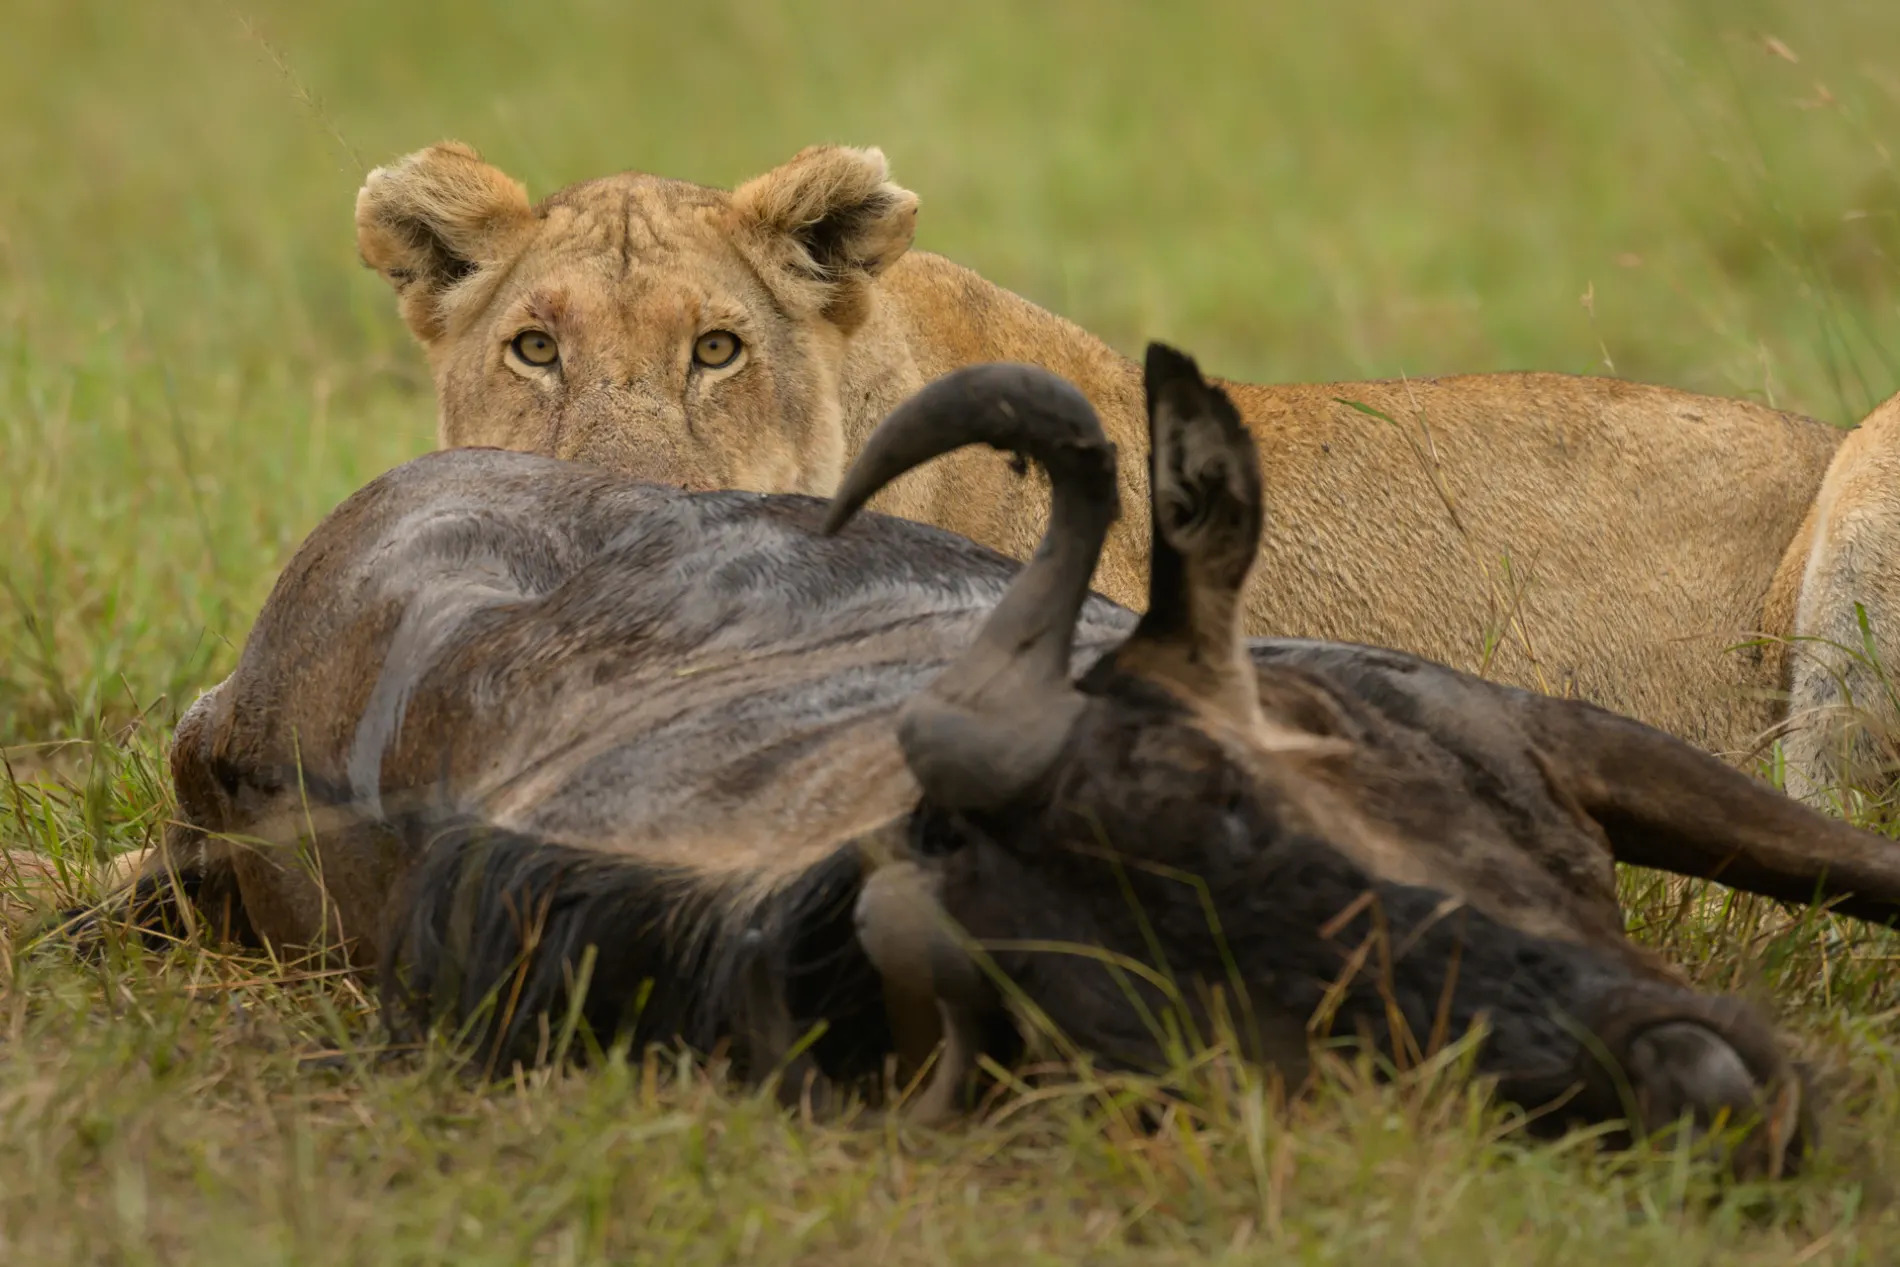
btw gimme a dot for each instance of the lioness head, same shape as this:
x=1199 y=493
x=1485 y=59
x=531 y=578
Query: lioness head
x=680 y=333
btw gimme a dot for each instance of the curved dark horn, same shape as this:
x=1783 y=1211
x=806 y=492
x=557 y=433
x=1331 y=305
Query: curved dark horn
x=933 y=989
x=994 y=721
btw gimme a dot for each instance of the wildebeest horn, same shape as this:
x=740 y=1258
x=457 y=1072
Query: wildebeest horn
x=994 y=721
x=932 y=986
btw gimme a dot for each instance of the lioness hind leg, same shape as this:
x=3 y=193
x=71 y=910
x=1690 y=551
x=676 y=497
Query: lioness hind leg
x=1843 y=719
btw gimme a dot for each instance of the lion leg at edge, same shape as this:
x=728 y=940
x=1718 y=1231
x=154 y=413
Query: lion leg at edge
x=1843 y=716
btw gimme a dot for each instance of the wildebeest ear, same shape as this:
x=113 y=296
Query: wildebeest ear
x=1204 y=489
x=1205 y=503
x=431 y=219
x=826 y=224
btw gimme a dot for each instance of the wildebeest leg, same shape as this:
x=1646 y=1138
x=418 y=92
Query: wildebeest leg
x=1665 y=804
x=766 y=1032
x=189 y=883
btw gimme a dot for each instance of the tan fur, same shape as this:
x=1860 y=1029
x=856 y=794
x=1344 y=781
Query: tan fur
x=32 y=885
x=1574 y=535
x=1847 y=552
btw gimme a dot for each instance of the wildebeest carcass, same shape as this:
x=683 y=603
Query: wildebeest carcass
x=743 y=764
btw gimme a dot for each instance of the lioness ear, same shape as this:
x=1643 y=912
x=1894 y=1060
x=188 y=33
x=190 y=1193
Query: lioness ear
x=832 y=221
x=432 y=218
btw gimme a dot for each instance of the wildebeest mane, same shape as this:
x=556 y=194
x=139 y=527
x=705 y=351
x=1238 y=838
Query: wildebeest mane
x=491 y=932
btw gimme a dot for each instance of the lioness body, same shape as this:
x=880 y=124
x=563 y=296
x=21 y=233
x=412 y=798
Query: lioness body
x=1570 y=534
x=1576 y=535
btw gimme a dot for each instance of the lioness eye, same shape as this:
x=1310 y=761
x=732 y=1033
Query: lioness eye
x=715 y=349
x=536 y=347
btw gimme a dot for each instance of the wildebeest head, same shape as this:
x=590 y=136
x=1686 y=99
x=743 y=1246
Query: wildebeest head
x=1181 y=833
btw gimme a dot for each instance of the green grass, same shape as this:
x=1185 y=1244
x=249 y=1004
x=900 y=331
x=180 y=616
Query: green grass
x=193 y=369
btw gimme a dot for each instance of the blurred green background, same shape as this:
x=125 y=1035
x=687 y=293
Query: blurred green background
x=194 y=367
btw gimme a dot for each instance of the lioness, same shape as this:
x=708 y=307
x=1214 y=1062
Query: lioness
x=1569 y=534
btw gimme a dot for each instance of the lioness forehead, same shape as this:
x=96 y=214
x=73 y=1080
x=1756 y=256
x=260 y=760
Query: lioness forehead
x=646 y=209
x=631 y=259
